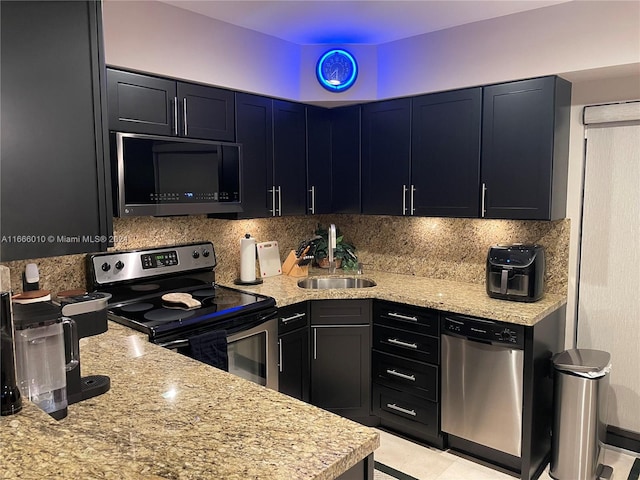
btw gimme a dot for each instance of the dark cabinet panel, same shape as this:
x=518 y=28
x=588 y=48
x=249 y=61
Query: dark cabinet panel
x=146 y=104
x=55 y=187
x=445 y=154
x=141 y=104
x=207 y=112
x=293 y=357
x=293 y=379
x=525 y=143
x=289 y=157
x=341 y=357
x=386 y=140
x=254 y=130
x=319 y=170
x=345 y=160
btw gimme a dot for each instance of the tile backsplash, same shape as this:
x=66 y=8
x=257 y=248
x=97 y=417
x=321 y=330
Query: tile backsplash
x=444 y=248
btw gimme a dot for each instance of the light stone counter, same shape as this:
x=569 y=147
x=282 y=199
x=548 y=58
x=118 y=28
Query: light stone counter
x=444 y=295
x=171 y=417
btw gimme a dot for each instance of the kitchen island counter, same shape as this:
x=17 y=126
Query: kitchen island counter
x=168 y=416
x=444 y=295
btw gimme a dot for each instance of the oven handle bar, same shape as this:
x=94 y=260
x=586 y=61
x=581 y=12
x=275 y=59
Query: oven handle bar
x=175 y=344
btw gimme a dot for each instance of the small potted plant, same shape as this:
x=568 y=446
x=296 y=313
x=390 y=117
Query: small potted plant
x=344 y=254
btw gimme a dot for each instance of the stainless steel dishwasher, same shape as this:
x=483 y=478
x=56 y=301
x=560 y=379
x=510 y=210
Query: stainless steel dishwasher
x=482 y=375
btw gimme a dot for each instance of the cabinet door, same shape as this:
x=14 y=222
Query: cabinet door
x=254 y=130
x=289 y=157
x=55 y=191
x=345 y=160
x=386 y=141
x=341 y=369
x=206 y=112
x=141 y=103
x=293 y=378
x=525 y=149
x=319 y=160
x=445 y=154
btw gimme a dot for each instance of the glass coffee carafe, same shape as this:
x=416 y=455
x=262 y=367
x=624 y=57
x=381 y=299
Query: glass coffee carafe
x=46 y=348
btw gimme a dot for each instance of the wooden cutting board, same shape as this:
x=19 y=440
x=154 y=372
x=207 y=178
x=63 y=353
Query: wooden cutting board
x=269 y=258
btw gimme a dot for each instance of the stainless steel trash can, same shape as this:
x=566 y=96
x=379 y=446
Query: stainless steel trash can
x=581 y=387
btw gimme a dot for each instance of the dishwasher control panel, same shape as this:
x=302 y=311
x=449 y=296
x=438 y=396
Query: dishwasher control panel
x=484 y=330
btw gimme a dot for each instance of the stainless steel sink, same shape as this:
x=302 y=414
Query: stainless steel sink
x=336 y=282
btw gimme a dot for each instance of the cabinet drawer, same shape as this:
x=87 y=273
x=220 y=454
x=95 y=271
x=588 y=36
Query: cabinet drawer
x=292 y=317
x=418 y=378
x=341 y=312
x=406 y=410
x=406 y=344
x=407 y=318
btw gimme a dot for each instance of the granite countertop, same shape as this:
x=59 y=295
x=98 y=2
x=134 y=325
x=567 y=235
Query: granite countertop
x=168 y=416
x=444 y=295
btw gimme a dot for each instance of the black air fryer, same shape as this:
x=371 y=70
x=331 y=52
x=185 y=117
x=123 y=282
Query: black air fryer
x=516 y=272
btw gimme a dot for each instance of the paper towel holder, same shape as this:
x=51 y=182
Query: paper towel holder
x=239 y=281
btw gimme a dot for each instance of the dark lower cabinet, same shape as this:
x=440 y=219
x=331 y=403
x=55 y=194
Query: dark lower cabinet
x=293 y=355
x=341 y=358
x=55 y=184
x=406 y=371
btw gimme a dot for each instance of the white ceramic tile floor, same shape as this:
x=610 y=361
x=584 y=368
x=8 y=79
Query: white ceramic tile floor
x=426 y=463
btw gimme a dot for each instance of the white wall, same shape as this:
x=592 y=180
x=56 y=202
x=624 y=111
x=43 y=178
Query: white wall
x=158 y=38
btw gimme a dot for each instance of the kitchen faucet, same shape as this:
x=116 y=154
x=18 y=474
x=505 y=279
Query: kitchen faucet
x=332 y=246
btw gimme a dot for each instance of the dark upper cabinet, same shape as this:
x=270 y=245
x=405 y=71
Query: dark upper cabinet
x=525 y=142
x=445 y=154
x=147 y=104
x=319 y=185
x=55 y=190
x=254 y=130
x=386 y=141
x=273 y=137
x=345 y=159
x=289 y=158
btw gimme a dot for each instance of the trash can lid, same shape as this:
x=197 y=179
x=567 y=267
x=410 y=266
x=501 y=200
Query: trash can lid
x=581 y=360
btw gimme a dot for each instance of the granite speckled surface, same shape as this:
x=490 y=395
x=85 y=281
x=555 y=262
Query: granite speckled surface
x=167 y=416
x=445 y=295
x=439 y=248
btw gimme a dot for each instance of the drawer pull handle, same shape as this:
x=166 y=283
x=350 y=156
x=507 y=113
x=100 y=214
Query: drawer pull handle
x=395 y=341
x=401 y=375
x=292 y=317
x=403 y=317
x=393 y=406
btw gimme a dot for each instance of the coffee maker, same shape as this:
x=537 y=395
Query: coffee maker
x=516 y=272
x=42 y=323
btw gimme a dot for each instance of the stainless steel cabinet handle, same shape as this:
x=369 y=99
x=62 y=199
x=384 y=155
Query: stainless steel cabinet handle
x=484 y=196
x=292 y=317
x=279 y=201
x=312 y=210
x=401 y=375
x=273 y=211
x=280 y=359
x=403 y=317
x=404 y=199
x=315 y=343
x=184 y=114
x=393 y=406
x=395 y=341
x=175 y=115
x=413 y=210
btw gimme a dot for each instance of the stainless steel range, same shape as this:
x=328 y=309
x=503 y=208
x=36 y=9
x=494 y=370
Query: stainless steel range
x=170 y=294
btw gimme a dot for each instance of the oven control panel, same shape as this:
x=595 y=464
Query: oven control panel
x=129 y=265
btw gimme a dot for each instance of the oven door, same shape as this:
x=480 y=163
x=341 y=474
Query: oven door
x=253 y=354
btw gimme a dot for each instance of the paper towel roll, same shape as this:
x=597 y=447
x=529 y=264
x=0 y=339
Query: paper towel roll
x=247 y=259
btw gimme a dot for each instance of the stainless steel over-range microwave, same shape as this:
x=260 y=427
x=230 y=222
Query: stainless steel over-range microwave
x=156 y=175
